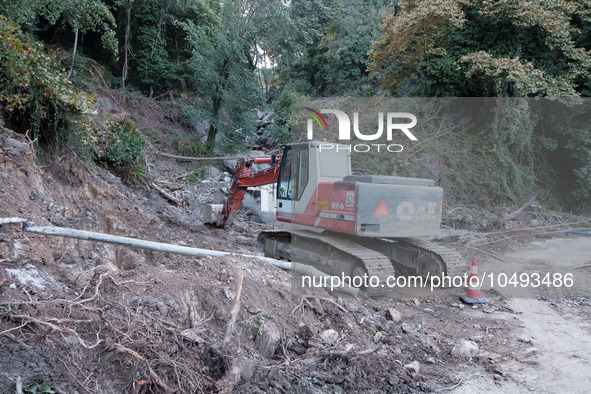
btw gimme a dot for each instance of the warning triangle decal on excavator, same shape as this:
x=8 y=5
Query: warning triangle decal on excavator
x=381 y=211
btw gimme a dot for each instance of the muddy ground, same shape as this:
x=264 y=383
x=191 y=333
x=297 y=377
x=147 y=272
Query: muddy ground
x=85 y=317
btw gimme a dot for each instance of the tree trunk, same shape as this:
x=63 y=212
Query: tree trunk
x=211 y=134
x=73 y=53
x=126 y=44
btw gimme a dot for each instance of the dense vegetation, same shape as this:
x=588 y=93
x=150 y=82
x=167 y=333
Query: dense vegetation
x=233 y=56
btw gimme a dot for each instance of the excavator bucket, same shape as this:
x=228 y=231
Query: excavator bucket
x=211 y=213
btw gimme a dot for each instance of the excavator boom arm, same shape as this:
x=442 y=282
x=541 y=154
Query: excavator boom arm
x=244 y=177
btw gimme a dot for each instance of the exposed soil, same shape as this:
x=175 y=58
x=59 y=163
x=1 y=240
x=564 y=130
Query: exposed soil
x=90 y=317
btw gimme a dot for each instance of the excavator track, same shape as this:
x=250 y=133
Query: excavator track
x=375 y=263
x=452 y=262
x=376 y=258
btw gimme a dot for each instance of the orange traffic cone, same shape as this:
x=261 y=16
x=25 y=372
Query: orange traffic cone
x=473 y=294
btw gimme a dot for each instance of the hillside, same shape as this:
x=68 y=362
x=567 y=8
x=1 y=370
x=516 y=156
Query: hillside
x=90 y=317
x=126 y=118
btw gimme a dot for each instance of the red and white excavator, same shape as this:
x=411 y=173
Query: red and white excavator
x=343 y=223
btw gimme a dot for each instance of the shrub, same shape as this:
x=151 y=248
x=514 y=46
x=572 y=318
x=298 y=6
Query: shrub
x=34 y=95
x=122 y=143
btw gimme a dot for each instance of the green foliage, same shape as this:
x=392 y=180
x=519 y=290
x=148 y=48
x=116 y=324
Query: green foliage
x=221 y=68
x=329 y=41
x=197 y=175
x=154 y=47
x=190 y=145
x=34 y=96
x=122 y=143
x=281 y=129
x=83 y=15
x=499 y=48
x=38 y=388
x=259 y=321
x=153 y=62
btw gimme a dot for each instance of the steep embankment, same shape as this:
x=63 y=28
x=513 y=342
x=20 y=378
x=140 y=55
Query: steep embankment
x=83 y=316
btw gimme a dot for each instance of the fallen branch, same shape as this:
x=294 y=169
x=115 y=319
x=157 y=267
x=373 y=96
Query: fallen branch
x=8 y=335
x=349 y=354
x=181 y=203
x=199 y=158
x=460 y=382
x=122 y=349
x=167 y=93
x=325 y=299
x=521 y=209
x=58 y=328
x=454 y=386
x=301 y=304
x=235 y=307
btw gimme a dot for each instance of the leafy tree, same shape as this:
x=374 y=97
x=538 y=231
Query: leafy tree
x=515 y=48
x=332 y=37
x=412 y=33
x=154 y=43
x=34 y=96
x=223 y=63
x=76 y=15
x=498 y=48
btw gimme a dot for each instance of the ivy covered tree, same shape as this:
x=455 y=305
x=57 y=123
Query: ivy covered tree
x=483 y=48
x=496 y=48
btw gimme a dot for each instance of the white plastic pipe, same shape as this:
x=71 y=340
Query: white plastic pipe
x=162 y=247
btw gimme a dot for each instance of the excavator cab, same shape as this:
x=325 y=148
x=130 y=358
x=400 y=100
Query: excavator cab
x=303 y=167
x=316 y=189
x=293 y=178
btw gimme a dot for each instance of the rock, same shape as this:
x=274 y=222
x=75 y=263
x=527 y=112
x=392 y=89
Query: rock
x=525 y=340
x=230 y=165
x=432 y=343
x=106 y=105
x=329 y=336
x=246 y=366
x=351 y=307
x=128 y=260
x=465 y=349
x=297 y=348
x=269 y=339
x=378 y=337
x=14 y=147
x=393 y=314
x=213 y=173
x=162 y=308
x=405 y=328
x=413 y=367
x=534 y=223
x=67 y=259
